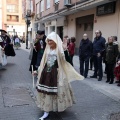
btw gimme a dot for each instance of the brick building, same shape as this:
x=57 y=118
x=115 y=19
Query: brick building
x=75 y=17
x=12 y=20
x=28 y=7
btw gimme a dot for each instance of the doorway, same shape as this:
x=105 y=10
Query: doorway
x=60 y=31
x=84 y=25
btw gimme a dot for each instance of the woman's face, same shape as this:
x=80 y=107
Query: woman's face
x=52 y=44
x=110 y=40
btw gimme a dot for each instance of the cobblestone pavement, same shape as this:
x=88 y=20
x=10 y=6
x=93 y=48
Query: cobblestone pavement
x=17 y=97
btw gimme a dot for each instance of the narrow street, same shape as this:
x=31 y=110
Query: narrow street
x=94 y=100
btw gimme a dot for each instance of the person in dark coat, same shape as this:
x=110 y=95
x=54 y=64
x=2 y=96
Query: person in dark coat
x=40 y=47
x=85 y=52
x=111 y=53
x=35 y=51
x=7 y=45
x=98 y=50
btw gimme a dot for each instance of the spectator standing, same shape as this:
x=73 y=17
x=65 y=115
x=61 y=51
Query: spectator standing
x=71 y=48
x=98 y=49
x=111 y=53
x=85 y=52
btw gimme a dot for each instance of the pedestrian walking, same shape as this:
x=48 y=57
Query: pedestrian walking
x=85 y=52
x=17 y=42
x=111 y=53
x=98 y=50
x=71 y=48
x=54 y=77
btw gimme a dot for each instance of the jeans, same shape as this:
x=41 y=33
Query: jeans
x=98 y=66
x=84 y=66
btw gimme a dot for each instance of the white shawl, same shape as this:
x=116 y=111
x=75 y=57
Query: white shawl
x=66 y=73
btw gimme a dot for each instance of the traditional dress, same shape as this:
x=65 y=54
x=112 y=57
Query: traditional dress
x=54 y=77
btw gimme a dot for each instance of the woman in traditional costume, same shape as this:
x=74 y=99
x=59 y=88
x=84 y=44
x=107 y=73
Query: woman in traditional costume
x=54 y=77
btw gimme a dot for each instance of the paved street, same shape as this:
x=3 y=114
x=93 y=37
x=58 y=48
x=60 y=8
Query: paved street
x=95 y=100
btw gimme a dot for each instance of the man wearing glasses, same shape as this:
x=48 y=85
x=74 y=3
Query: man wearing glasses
x=98 y=49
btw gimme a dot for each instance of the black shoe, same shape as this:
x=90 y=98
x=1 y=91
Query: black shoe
x=100 y=79
x=107 y=81
x=93 y=76
x=85 y=76
x=111 y=82
x=117 y=81
x=105 y=72
x=118 y=84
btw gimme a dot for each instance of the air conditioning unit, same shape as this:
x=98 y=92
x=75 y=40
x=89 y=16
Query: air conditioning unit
x=56 y=1
x=67 y=3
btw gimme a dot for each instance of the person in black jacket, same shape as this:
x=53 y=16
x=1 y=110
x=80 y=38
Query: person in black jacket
x=85 y=52
x=41 y=44
x=111 y=53
x=98 y=49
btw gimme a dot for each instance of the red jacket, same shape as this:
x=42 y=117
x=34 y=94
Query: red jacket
x=71 y=48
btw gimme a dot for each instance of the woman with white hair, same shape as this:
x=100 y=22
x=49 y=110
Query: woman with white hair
x=54 y=77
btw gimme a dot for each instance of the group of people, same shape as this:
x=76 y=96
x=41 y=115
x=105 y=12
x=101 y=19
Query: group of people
x=99 y=52
x=52 y=63
x=6 y=48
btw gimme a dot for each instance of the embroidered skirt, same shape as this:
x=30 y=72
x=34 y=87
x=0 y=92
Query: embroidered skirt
x=48 y=81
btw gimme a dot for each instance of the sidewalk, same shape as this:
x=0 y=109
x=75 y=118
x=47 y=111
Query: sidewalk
x=111 y=90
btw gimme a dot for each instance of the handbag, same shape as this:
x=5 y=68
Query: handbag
x=4 y=60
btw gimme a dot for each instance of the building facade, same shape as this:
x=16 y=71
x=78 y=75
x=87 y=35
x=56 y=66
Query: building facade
x=28 y=7
x=0 y=14
x=12 y=19
x=76 y=17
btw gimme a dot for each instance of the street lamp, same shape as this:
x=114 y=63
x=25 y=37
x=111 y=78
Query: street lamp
x=28 y=18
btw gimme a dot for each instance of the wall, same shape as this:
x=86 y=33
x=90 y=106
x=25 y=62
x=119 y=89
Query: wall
x=108 y=24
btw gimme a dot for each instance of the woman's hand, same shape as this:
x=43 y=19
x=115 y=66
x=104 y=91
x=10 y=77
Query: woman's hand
x=34 y=73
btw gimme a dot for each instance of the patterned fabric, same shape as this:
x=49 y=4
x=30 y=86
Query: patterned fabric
x=56 y=103
x=48 y=80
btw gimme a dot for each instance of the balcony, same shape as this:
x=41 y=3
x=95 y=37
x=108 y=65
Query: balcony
x=12 y=18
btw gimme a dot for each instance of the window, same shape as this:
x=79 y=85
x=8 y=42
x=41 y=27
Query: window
x=37 y=8
x=48 y=4
x=42 y=6
x=12 y=8
x=8 y=17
